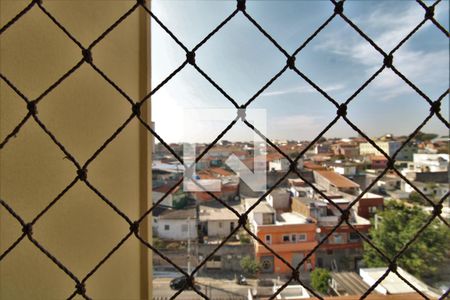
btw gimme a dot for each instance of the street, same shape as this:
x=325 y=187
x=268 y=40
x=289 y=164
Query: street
x=213 y=288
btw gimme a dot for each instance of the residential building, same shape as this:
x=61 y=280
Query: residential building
x=343 y=249
x=176 y=225
x=217 y=222
x=289 y=234
x=335 y=182
x=313 y=166
x=369 y=204
x=322 y=148
x=160 y=191
x=228 y=183
x=349 y=150
x=392 y=284
x=347 y=283
x=424 y=162
x=378 y=162
x=389 y=147
x=343 y=168
x=432 y=189
x=279 y=199
x=277 y=162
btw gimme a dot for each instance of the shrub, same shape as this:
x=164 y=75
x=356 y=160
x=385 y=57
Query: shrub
x=320 y=280
x=250 y=266
x=244 y=238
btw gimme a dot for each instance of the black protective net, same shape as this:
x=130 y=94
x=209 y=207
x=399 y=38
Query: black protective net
x=87 y=56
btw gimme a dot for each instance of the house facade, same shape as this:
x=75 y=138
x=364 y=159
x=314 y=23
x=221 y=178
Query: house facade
x=290 y=235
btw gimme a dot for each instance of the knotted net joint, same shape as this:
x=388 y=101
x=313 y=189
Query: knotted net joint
x=28 y=229
x=82 y=174
x=293 y=167
x=339 y=7
x=134 y=227
x=241 y=113
x=140 y=2
x=136 y=109
x=295 y=274
x=388 y=59
x=391 y=164
x=342 y=110
x=241 y=5
x=190 y=57
x=345 y=215
x=37 y=2
x=291 y=62
x=32 y=108
x=393 y=266
x=435 y=107
x=437 y=210
x=81 y=289
x=87 y=55
x=243 y=220
x=429 y=13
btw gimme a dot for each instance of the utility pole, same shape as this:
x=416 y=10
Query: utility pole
x=189 y=247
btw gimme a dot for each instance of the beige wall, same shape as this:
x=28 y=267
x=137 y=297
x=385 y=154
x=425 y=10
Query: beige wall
x=82 y=112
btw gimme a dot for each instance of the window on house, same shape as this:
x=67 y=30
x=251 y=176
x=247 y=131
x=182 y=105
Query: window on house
x=166 y=227
x=293 y=238
x=372 y=209
x=220 y=224
x=267 y=219
x=184 y=227
x=301 y=237
x=286 y=238
x=354 y=237
x=268 y=239
x=338 y=238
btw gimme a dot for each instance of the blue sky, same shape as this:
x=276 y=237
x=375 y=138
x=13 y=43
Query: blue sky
x=241 y=60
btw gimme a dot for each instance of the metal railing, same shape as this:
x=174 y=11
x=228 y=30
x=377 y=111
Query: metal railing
x=87 y=56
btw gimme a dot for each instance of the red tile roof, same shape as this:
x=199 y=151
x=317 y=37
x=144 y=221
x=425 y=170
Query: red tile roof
x=337 y=179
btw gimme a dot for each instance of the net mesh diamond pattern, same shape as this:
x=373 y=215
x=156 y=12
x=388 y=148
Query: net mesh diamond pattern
x=87 y=57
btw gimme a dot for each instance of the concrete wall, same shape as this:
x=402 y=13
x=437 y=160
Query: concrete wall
x=175 y=231
x=80 y=229
x=168 y=201
x=220 y=228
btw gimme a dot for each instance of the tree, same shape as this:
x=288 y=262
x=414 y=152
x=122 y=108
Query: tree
x=181 y=203
x=250 y=266
x=416 y=198
x=399 y=224
x=422 y=136
x=320 y=280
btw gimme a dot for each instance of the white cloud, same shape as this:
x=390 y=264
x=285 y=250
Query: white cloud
x=304 y=89
x=391 y=26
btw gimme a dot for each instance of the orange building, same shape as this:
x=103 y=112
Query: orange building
x=288 y=234
x=343 y=249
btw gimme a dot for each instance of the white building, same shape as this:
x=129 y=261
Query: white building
x=291 y=292
x=217 y=222
x=387 y=146
x=424 y=162
x=437 y=190
x=392 y=284
x=176 y=225
x=348 y=169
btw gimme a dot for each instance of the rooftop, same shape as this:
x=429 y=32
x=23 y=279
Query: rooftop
x=290 y=218
x=337 y=179
x=216 y=214
x=262 y=207
x=392 y=284
x=349 y=283
x=178 y=214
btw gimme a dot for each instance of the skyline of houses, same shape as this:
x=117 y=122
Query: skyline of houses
x=296 y=215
